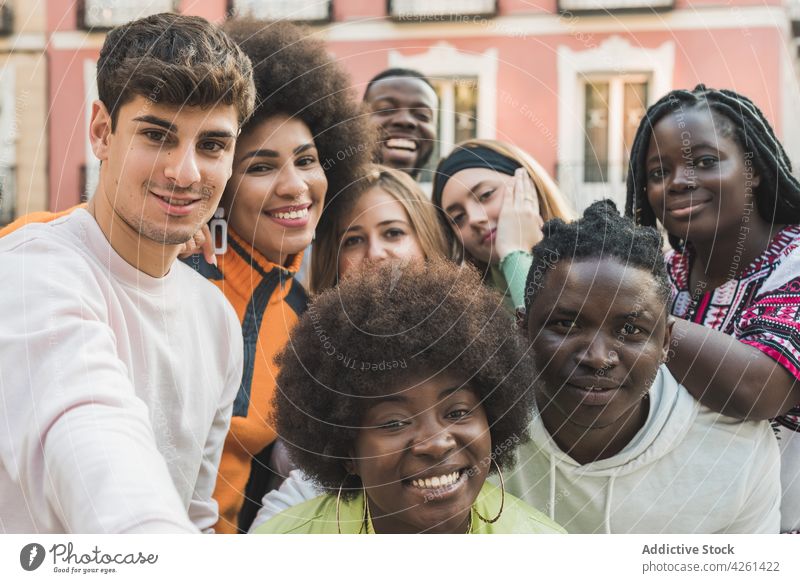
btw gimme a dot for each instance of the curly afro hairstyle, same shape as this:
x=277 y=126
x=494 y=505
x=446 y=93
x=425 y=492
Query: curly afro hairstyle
x=294 y=75
x=601 y=233
x=383 y=331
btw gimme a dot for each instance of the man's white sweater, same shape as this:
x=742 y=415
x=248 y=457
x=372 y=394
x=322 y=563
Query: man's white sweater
x=116 y=387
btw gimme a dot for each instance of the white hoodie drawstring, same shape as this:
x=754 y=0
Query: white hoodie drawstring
x=609 y=494
x=552 y=487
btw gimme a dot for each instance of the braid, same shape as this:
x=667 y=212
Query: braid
x=778 y=193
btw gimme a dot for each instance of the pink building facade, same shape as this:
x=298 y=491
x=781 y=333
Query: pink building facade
x=567 y=80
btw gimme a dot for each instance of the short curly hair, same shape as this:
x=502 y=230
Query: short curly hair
x=384 y=331
x=601 y=233
x=175 y=59
x=295 y=75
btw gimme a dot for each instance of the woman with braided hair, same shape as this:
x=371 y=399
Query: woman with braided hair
x=707 y=165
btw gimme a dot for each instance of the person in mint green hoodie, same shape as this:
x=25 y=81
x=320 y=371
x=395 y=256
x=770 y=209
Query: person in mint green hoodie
x=492 y=199
x=400 y=391
x=618 y=445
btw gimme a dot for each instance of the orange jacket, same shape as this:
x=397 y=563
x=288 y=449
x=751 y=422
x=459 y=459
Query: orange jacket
x=268 y=301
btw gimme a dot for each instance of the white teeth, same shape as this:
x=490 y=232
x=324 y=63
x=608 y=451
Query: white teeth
x=401 y=143
x=291 y=214
x=437 y=482
x=174 y=202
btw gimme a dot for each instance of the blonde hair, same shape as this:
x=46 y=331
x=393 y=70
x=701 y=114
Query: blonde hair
x=421 y=213
x=552 y=204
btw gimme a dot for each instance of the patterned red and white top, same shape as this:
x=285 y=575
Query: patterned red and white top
x=761 y=307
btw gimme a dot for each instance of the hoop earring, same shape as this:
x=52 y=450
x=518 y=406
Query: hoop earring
x=502 y=498
x=366 y=506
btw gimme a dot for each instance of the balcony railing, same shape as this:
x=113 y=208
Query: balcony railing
x=106 y=14
x=8 y=194
x=602 y=6
x=306 y=11
x=447 y=10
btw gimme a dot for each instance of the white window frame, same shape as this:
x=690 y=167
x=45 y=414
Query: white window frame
x=9 y=130
x=605 y=6
x=615 y=129
x=439 y=9
x=615 y=57
x=293 y=10
x=92 y=164
x=127 y=11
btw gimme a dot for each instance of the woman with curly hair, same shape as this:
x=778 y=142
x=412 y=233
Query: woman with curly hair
x=400 y=394
x=306 y=140
x=492 y=199
x=385 y=216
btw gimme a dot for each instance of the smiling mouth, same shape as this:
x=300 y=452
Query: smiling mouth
x=175 y=201
x=289 y=215
x=401 y=144
x=686 y=208
x=443 y=481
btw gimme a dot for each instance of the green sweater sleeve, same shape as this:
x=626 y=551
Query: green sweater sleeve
x=515 y=267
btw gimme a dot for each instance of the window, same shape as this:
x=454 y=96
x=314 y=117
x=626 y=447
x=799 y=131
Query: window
x=296 y=10
x=8 y=147
x=90 y=171
x=565 y=6
x=106 y=14
x=440 y=9
x=458 y=116
x=599 y=111
x=611 y=112
x=6 y=18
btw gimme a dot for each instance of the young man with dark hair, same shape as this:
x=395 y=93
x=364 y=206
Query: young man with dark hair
x=617 y=444
x=119 y=365
x=404 y=106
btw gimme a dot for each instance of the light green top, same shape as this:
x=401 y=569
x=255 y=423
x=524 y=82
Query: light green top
x=318 y=516
x=510 y=276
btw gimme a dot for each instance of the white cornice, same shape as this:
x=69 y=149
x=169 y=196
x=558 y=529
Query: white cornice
x=525 y=25
x=518 y=26
x=24 y=42
x=76 y=40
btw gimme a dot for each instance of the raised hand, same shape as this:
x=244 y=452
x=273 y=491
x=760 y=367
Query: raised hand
x=519 y=225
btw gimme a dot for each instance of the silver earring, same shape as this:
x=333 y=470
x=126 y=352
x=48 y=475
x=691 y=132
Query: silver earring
x=219 y=232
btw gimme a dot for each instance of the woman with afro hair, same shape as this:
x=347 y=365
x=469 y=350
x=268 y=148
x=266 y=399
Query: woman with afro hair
x=400 y=391
x=306 y=140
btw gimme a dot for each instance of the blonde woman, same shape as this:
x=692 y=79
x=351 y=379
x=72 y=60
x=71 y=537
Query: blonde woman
x=385 y=217
x=492 y=200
